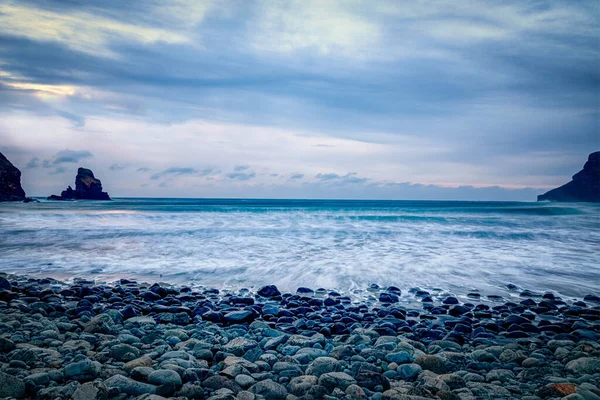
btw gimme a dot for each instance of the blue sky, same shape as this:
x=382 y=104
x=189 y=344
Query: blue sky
x=345 y=99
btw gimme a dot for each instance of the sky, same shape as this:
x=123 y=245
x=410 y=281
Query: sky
x=470 y=99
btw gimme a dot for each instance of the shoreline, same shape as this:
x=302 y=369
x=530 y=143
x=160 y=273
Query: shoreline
x=129 y=340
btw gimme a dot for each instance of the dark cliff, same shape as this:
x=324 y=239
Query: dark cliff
x=10 y=181
x=87 y=187
x=584 y=187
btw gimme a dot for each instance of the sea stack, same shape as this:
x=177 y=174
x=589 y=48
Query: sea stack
x=87 y=187
x=10 y=181
x=585 y=186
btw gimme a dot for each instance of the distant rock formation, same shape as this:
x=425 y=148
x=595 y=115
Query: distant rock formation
x=585 y=185
x=87 y=187
x=10 y=182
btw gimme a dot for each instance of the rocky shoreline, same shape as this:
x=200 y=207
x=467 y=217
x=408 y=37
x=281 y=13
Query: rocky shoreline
x=129 y=340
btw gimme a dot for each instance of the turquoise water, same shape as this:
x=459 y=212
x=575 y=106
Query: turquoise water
x=346 y=245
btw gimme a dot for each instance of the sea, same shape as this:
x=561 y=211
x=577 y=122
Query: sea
x=454 y=247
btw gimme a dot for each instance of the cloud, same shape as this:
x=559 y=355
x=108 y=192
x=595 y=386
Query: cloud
x=443 y=93
x=325 y=26
x=77 y=120
x=239 y=168
x=186 y=171
x=89 y=31
x=33 y=163
x=296 y=176
x=58 y=171
x=241 y=176
x=175 y=171
x=143 y=169
x=62 y=157
x=117 y=167
x=350 y=178
x=70 y=156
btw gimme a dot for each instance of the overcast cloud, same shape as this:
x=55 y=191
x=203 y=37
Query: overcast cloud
x=346 y=98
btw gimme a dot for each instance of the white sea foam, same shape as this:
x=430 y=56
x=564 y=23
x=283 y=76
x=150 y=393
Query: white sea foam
x=454 y=246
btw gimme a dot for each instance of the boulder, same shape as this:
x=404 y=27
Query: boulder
x=87 y=187
x=84 y=370
x=269 y=389
x=11 y=386
x=129 y=386
x=10 y=181
x=91 y=391
x=269 y=291
x=584 y=187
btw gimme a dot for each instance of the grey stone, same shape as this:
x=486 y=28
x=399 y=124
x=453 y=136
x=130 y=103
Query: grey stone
x=409 y=372
x=323 y=365
x=11 y=386
x=84 y=370
x=165 y=376
x=269 y=389
x=401 y=357
x=138 y=362
x=432 y=363
x=129 y=386
x=332 y=380
x=245 y=381
x=58 y=392
x=91 y=391
x=502 y=375
x=300 y=384
x=239 y=345
x=119 y=352
x=584 y=365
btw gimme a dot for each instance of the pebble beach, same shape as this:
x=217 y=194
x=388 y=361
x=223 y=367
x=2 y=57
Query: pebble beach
x=132 y=340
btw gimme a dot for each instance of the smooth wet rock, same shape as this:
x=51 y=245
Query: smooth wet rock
x=102 y=323
x=120 y=352
x=301 y=384
x=240 y=345
x=502 y=375
x=531 y=362
x=6 y=345
x=388 y=298
x=401 y=357
x=323 y=365
x=165 y=376
x=84 y=370
x=409 y=372
x=91 y=391
x=245 y=381
x=269 y=389
x=432 y=363
x=191 y=391
x=138 y=362
x=238 y=317
x=129 y=386
x=5 y=284
x=372 y=380
x=332 y=380
x=217 y=382
x=11 y=386
x=269 y=291
x=584 y=365
x=58 y=392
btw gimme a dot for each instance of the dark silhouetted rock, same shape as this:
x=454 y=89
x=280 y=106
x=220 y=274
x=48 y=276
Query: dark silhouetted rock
x=585 y=185
x=10 y=181
x=87 y=187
